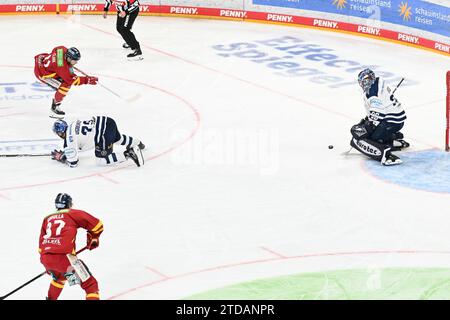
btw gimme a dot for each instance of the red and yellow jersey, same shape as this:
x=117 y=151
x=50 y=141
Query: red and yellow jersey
x=54 y=65
x=59 y=230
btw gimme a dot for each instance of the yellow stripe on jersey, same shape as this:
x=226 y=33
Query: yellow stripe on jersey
x=76 y=82
x=64 y=88
x=56 y=284
x=97 y=228
x=93 y=295
x=63 y=92
x=48 y=76
x=98 y=231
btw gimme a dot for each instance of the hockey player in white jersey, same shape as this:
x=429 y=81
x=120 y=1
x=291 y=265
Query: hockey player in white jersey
x=378 y=134
x=99 y=133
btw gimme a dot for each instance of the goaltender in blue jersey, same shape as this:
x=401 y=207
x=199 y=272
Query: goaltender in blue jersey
x=378 y=134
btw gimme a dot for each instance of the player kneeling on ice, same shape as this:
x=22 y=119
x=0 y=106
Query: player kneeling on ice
x=57 y=248
x=56 y=70
x=99 y=133
x=378 y=134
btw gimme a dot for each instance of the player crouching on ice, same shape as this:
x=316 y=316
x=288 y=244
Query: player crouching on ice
x=379 y=133
x=56 y=70
x=99 y=133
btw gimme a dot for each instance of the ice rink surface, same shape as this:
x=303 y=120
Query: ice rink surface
x=239 y=183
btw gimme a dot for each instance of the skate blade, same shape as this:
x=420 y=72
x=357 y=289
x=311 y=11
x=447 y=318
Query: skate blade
x=135 y=58
x=388 y=163
x=55 y=116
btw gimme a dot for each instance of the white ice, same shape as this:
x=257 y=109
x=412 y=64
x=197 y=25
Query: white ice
x=200 y=214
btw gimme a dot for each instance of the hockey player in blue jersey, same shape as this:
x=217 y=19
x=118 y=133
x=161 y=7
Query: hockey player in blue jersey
x=378 y=134
x=99 y=133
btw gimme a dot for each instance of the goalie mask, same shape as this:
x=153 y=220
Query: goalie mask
x=366 y=79
x=59 y=128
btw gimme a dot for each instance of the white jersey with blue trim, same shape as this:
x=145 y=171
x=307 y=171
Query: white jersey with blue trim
x=79 y=137
x=381 y=105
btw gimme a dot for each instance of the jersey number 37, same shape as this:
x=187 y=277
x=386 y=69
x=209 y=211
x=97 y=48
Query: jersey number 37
x=60 y=226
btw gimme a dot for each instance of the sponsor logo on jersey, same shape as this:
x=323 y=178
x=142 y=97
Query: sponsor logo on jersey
x=70 y=153
x=60 y=57
x=51 y=241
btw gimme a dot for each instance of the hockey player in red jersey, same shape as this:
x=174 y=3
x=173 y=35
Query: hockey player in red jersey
x=57 y=247
x=56 y=70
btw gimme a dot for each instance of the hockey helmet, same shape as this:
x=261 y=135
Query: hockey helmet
x=73 y=54
x=63 y=201
x=366 y=79
x=59 y=128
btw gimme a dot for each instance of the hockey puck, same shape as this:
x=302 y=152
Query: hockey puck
x=330 y=146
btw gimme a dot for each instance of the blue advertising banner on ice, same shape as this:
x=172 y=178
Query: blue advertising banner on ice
x=410 y=13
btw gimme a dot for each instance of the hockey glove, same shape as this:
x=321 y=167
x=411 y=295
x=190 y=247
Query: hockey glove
x=88 y=80
x=92 y=241
x=58 y=155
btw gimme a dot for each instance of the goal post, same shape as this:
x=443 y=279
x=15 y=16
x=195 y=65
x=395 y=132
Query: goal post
x=447 y=114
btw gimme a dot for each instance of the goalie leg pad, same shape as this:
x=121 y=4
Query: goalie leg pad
x=372 y=149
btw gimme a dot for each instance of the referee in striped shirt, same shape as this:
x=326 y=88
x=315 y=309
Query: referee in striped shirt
x=127 y=12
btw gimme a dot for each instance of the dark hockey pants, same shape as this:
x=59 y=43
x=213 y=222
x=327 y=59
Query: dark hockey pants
x=124 y=26
x=385 y=132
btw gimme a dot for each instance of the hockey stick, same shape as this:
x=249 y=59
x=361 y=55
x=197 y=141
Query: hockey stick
x=25 y=155
x=30 y=281
x=114 y=93
x=85 y=74
x=398 y=85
